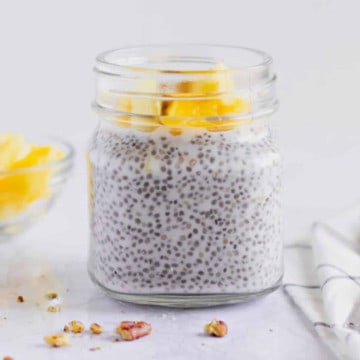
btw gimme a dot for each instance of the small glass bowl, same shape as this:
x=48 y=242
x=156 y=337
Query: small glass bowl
x=48 y=180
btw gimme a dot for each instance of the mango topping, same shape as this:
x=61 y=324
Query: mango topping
x=195 y=104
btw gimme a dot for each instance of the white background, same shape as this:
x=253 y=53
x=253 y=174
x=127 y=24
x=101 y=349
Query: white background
x=46 y=85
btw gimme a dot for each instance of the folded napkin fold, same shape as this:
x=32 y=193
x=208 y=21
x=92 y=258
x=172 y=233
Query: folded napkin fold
x=323 y=279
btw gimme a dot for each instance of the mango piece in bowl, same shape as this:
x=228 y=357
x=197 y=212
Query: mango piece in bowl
x=21 y=182
x=12 y=148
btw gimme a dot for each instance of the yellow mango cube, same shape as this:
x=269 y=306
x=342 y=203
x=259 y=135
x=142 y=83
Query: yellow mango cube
x=20 y=183
x=12 y=148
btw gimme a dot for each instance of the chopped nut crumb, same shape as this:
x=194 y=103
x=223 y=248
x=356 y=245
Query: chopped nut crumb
x=131 y=330
x=20 y=299
x=52 y=295
x=175 y=132
x=216 y=328
x=96 y=328
x=116 y=340
x=57 y=340
x=95 y=348
x=53 y=308
x=75 y=327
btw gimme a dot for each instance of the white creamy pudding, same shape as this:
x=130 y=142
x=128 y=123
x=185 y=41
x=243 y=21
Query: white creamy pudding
x=195 y=213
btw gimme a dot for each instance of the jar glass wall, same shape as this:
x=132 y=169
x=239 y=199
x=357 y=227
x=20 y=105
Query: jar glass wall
x=184 y=176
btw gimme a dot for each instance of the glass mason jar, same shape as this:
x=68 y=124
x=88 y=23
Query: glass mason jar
x=184 y=176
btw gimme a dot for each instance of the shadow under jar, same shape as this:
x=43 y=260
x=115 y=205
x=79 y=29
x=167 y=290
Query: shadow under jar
x=184 y=176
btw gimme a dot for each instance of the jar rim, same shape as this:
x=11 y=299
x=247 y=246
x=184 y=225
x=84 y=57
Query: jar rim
x=163 y=73
x=117 y=61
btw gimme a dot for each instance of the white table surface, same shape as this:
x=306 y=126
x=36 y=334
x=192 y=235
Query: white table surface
x=51 y=256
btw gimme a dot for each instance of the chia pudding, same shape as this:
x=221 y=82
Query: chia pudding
x=196 y=213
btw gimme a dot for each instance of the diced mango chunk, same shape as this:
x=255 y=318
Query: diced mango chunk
x=193 y=108
x=201 y=109
x=234 y=105
x=140 y=106
x=12 y=148
x=145 y=106
x=217 y=79
x=20 y=184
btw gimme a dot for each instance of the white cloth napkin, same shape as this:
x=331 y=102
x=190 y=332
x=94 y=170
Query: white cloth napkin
x=323 y=279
